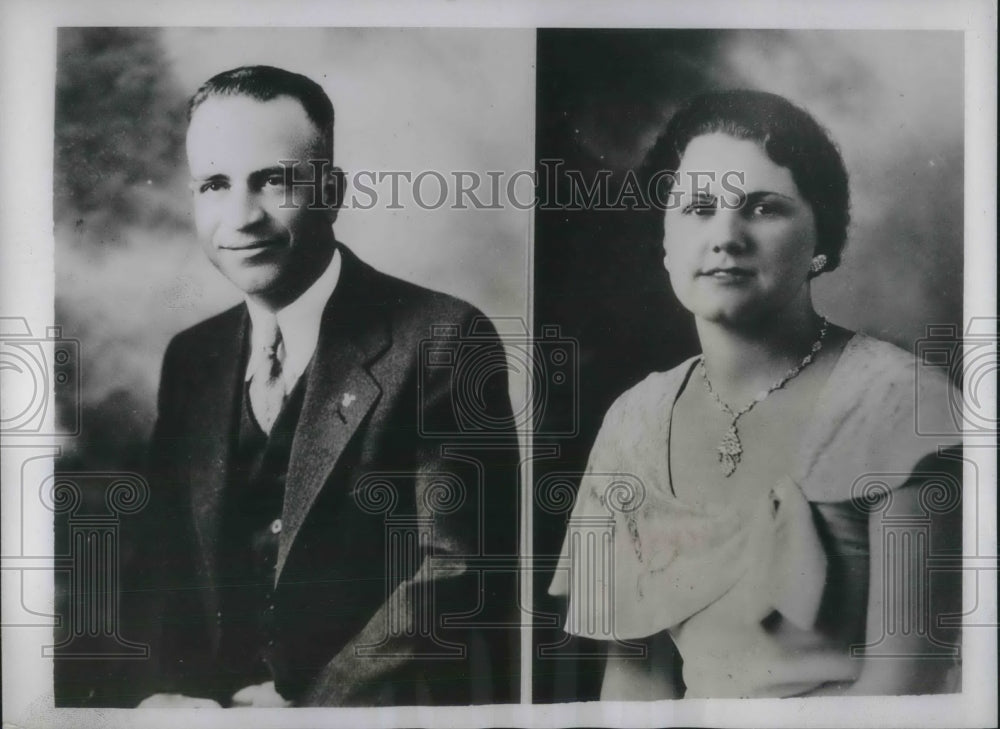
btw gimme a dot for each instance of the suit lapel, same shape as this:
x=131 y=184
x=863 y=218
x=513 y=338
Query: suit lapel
x=340 y=391
x=214 y=432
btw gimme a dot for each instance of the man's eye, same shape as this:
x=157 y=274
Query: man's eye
x=212 y=186
x=275 y=180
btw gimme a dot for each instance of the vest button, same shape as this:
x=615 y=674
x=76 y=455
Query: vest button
x=276 y=526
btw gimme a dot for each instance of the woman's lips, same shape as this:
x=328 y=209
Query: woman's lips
x=727 y=273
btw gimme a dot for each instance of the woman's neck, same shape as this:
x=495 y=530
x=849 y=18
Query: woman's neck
x=742 y=360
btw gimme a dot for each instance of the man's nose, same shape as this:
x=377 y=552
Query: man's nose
x=246 y=209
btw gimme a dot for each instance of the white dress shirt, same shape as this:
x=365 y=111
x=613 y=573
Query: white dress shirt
x=299 y=324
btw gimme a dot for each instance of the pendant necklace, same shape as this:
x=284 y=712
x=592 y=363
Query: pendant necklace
x=730 y=448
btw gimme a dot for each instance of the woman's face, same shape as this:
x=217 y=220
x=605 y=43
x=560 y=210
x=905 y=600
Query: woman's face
x=738 y=237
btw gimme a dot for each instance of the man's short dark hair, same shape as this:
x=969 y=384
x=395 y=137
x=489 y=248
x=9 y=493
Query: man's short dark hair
x=789 y=136
x=265 y=83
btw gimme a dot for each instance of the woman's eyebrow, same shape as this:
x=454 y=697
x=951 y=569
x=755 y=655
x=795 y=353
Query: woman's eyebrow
x=758 y=194
x=700 y=197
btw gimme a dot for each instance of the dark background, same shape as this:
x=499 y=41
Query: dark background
x=893 y=101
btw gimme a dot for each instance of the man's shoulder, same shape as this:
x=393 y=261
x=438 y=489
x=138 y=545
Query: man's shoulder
x=206 y=334
x=411 y=310
x=411 y=307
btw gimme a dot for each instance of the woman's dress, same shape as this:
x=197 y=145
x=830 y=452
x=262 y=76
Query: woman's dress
x=766 y=599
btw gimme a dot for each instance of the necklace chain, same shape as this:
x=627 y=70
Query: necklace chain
x=730 y=448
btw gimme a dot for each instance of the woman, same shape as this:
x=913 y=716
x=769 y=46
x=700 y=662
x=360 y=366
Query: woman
x=751 y=555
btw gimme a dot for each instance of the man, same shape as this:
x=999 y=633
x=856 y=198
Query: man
x=317 y=509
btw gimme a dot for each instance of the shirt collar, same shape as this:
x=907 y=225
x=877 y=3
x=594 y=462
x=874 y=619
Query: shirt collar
x=299 y=322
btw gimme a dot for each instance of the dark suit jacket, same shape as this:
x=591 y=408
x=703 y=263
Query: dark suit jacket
x=381 y=450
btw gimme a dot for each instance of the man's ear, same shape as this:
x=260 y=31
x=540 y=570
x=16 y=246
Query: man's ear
x=334 y=183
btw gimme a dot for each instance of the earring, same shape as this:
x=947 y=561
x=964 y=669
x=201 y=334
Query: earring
x=818 y=263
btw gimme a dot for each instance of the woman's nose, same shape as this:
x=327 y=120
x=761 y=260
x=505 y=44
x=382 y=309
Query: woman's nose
x=728 y=232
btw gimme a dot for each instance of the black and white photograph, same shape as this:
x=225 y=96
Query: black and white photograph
x=322 y=439
x=773 y=223
x=459 y=364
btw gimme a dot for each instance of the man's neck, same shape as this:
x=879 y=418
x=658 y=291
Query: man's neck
x=275 y=301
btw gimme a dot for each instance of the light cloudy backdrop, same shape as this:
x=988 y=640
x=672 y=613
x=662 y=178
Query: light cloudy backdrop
x=129 y=271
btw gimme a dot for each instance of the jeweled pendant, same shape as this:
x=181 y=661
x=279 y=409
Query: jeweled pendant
x=730 y=449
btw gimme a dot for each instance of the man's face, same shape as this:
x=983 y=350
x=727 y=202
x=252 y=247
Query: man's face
x=270 y=249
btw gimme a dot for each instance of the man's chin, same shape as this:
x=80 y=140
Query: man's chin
x=261 y=285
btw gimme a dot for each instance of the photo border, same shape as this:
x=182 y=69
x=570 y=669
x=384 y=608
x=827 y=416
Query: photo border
x=27 y=60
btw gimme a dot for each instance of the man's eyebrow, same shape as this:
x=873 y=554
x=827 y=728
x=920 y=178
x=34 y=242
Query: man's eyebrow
x=218 y=176
x=272 y=170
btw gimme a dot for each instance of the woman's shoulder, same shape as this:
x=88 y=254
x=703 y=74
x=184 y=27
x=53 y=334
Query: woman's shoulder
x=636 y=426
x=654 y=392
x=878 y=360
x=881 y=412
x=877 y=375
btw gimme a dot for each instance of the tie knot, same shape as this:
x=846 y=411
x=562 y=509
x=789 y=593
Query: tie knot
x=268 y=332
x=274 y=346
x=270 y=341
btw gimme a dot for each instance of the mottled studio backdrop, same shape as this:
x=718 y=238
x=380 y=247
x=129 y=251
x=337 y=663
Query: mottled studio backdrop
x=129 y=271
x=893 y=101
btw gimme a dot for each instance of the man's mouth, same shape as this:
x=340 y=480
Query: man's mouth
x=255 y=245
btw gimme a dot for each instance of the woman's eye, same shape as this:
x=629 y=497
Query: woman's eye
x=764 y=210
x=700 y=209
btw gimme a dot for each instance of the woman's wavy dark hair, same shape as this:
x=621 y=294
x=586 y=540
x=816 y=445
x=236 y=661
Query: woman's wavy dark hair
x=789 y=136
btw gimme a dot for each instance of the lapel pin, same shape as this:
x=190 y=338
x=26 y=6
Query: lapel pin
x=345 y=402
